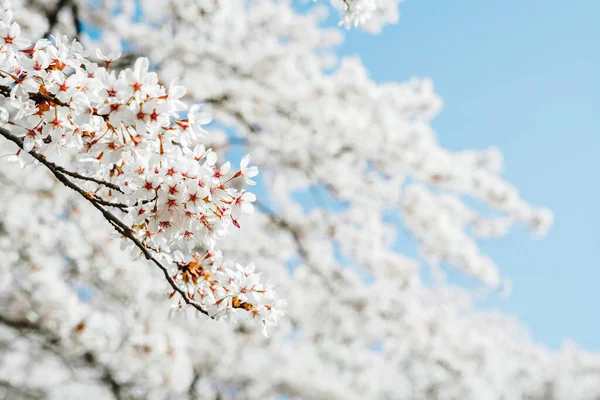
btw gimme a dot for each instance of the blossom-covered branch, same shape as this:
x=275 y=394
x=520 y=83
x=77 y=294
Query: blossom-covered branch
x=119 y=226
x=126 y=133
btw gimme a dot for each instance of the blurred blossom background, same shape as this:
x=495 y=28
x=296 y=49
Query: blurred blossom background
x=426 y=205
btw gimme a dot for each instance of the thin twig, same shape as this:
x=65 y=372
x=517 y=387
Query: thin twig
x=87 y=178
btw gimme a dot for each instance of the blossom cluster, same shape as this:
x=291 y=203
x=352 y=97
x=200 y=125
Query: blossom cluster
x=367 y=14
x=229 y=289
x=139 y=143
x=357 y=12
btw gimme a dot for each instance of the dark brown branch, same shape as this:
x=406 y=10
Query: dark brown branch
x=90 y=179
x=40 y=98
x=116 y=222
x=20 y=325
x=109 y=379
x=120 y=206
x=192 y=387
x=4 y=90
x=44 y=98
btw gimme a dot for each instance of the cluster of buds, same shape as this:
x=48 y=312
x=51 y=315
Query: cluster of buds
x=139 y=142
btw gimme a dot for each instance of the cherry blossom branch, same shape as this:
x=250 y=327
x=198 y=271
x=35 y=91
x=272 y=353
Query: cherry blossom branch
x=150 y=138
x=88 y=178
x=120 y=206
x=41 y=97
x=115 y=222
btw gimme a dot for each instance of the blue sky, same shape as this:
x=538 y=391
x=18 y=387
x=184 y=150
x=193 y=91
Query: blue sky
x=522 y=76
